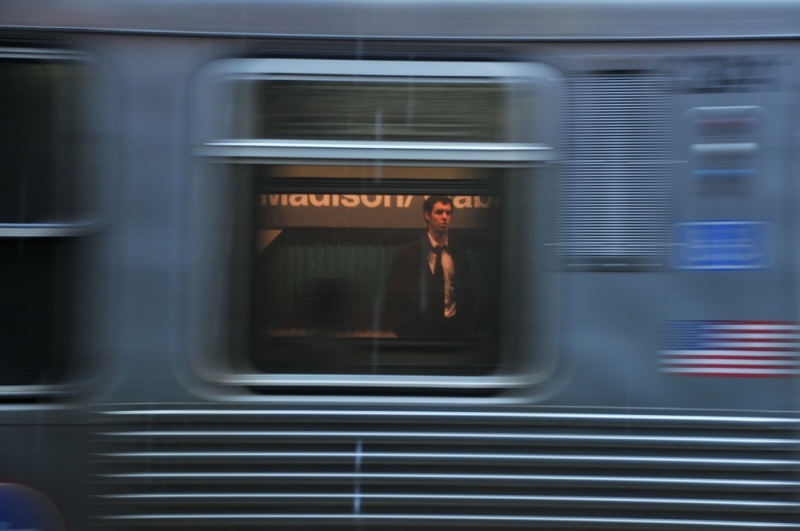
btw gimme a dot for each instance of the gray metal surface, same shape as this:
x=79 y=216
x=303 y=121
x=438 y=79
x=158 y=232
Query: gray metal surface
x=449 y=19
x=600 y=439
x=356 y=467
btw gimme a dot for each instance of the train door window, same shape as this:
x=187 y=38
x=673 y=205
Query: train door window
x=377 y=210
x=45 y=211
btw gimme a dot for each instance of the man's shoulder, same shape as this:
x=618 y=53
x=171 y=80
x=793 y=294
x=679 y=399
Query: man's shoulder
x=456 y=247
x=415 y=245
x=409 y=250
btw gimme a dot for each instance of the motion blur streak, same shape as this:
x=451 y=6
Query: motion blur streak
x=228 y=300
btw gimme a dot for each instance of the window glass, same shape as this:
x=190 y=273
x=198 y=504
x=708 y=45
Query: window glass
x=345 y=282
x=40 y=133
x=35 y=278
x=372 y=110
x=381 y=205
x=43 y=137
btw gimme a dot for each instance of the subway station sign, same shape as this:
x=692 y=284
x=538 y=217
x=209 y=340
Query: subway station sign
x=365 y=211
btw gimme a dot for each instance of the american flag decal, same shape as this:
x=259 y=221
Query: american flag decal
x=739 y=349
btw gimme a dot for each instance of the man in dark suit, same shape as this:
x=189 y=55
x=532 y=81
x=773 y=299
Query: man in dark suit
x=429 y=294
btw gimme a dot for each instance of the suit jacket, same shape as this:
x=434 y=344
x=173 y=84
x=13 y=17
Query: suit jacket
x=409 y=292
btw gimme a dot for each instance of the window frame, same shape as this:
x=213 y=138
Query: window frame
x=89 y=218
x=531 y=158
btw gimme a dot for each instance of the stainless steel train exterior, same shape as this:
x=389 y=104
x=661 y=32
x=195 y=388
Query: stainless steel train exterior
x=201 y=201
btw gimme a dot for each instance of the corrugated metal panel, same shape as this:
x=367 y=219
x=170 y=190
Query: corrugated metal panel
x=615 y=189
x=214 y=468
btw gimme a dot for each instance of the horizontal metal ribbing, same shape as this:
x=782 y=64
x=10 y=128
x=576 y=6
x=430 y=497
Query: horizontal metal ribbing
x=462 y=519
x=545 y=468
x=615 y=194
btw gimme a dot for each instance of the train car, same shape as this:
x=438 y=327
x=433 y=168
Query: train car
x=220 y=309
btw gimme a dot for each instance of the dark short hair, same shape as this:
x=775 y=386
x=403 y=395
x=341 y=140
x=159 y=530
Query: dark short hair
x=427 y=205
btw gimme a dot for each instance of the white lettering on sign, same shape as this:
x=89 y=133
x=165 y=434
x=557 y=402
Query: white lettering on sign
x=722 y=245
x=469 y=201
x=366 y=200
x=741 y=246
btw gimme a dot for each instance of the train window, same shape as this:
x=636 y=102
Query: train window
x=385 y=111
x=349 y=266
x=45 y=212
x=376 y=209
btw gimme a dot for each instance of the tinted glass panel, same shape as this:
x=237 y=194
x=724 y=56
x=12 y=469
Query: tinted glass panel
x=376 y=111
x=344 y=282
x=40 y=139
x=42 y=144
x=36 y=299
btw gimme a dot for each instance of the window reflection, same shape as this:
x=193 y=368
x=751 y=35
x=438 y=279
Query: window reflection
x=324 y=296
x=406 y=110
x=43 y=135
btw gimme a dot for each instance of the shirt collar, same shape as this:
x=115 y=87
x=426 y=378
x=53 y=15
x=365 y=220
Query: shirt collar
x=432 y=242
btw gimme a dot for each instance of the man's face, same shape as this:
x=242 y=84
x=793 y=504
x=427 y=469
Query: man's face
x=439 y=217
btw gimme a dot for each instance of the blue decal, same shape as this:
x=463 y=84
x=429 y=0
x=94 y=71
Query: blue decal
x=722 y=245
x=24 y=509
